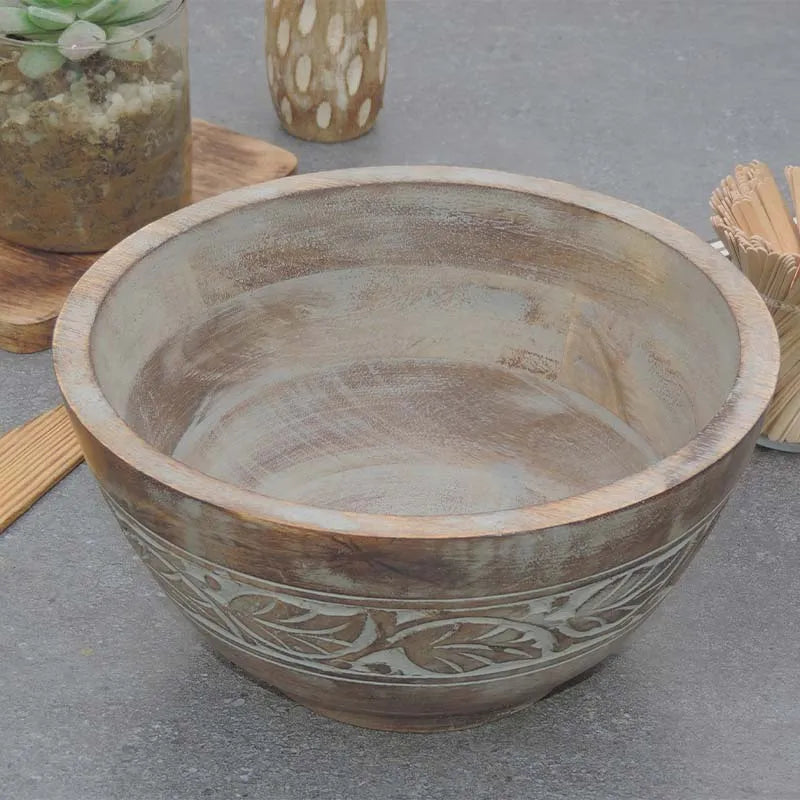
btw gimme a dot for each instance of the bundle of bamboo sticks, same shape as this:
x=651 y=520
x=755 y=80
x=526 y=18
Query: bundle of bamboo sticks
x=754 y=224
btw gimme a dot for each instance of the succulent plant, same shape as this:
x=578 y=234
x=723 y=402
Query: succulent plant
x=71 y=30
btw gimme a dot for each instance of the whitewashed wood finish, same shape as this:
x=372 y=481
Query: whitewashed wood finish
x=392 y=640
x=527 y=283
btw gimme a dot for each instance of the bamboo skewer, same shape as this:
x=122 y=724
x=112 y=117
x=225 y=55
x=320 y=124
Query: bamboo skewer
x=33 y=458
x=754 y=223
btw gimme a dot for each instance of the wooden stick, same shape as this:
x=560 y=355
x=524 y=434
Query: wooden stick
x=787 y=270
x=752 y=220
x=793 y=298
x=745 y=217
x=793 y=179
x=781 y=425
x=731 y=242
x=757 y=260
x=772 y=201
x=33 y=458
x=783 y=411
x=722 y=200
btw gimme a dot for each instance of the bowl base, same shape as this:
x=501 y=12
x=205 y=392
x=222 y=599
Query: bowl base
x=376 y=715
x=438 y=724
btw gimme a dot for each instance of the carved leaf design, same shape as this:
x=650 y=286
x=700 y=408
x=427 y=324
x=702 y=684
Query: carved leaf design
x=186 y=593
x=172 y=575
x=308 y=632
x=454 y=646
x=403 y=640
x=611 y=597
x=619 y=598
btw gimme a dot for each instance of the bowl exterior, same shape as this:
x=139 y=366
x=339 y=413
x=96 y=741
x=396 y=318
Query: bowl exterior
x=406 y=633
x=416 y=623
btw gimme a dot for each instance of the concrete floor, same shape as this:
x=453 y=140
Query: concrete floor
x=105 y=692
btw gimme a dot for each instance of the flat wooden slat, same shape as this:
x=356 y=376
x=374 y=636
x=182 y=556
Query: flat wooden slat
x=33 y=458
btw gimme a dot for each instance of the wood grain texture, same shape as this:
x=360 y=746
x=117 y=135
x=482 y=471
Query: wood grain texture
x=34 y=284
x=33 y=458
x=224 y=159
x=33 y=287
x=416 y=445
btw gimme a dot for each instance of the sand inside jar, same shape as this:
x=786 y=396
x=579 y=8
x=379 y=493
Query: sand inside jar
x=92 y=152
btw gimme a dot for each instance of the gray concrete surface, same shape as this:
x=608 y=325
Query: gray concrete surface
x=106 y=693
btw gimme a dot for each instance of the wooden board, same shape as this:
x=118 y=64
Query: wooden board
x=33 y=458
x=34 y=284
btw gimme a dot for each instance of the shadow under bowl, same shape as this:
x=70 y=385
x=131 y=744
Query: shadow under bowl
x=415 y=445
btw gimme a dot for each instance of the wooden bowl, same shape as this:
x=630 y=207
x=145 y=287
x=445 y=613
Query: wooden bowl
x=415 y=445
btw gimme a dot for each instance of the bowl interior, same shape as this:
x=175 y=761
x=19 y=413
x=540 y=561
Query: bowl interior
x=414 y=348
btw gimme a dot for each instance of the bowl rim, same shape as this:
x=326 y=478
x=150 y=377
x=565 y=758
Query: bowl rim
x=746 y=402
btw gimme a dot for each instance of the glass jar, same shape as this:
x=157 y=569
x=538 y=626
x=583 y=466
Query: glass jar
x=326 y=65
x=95 y=127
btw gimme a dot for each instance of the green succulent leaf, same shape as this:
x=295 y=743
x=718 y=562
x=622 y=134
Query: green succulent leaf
x=136 y=10
x=81 y=39
x=51 y=19
x=43 y=36
x=16 y=21
x=39 y=60
x=85 y=26
x=51 y=3
x=101 y=11
x=133 y=50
